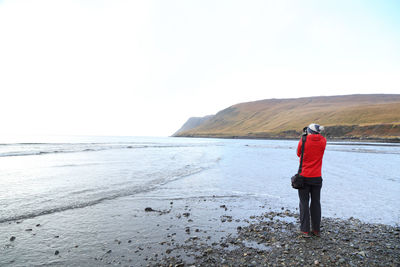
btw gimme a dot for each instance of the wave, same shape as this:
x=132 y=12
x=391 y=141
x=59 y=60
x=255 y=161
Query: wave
x=38 y=153
x=108 y=195
x=38 y=149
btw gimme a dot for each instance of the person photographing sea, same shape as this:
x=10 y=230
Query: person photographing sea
x=314 y=148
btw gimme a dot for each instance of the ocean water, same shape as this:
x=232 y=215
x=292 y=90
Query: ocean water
x=83 y=196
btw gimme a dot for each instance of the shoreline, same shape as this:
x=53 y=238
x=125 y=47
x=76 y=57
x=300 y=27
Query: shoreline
x=196 y=202
x=329 y=139
x=211 y=232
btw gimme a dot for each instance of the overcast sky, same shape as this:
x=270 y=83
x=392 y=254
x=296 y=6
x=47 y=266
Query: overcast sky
x=141 y=68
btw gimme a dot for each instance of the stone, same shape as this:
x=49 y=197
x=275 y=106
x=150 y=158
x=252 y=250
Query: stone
x=362 y=253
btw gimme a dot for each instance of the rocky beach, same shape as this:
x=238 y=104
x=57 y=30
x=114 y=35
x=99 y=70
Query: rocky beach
x=268 y=239
x=272 y=239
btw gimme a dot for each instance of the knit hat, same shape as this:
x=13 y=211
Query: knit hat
x=314 y=128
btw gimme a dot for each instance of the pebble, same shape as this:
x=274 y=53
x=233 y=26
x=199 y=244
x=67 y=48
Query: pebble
x=269 y=241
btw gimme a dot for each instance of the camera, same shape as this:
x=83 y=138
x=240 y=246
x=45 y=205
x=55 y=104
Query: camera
x=304 y=131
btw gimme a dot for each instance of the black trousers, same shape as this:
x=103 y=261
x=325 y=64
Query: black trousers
x=312 y=187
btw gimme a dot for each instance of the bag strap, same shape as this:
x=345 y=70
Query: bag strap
x=303 y=139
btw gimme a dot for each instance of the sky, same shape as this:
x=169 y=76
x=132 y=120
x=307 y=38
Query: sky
x=142 y=68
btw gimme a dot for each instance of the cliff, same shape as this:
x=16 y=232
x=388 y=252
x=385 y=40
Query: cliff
x=348 y=116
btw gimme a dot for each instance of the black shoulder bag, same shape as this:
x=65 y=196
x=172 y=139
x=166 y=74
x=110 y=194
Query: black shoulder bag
x=297 y=180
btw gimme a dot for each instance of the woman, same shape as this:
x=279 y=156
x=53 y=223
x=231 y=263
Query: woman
x=314 y=149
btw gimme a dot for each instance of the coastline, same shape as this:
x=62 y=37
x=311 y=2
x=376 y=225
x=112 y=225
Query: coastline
x=236 y=200
x=329 y=139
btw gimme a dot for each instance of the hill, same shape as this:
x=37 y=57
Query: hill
x=193 y=122
x=348 y=116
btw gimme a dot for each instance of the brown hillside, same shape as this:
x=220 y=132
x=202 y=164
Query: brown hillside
x=344 y=116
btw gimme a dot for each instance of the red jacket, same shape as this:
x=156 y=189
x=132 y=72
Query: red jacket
x=313 y=152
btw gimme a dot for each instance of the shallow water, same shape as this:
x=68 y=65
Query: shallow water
x=91 y=191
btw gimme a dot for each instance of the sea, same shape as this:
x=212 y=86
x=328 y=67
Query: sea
x=81 y=200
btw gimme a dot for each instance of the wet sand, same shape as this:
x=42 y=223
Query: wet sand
x=214 y=231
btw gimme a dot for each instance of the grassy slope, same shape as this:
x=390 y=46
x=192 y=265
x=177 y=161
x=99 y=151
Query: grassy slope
x=281 y=117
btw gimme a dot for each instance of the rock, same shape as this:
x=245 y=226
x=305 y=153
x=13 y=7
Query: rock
x=316 y=262
x=362 y=253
